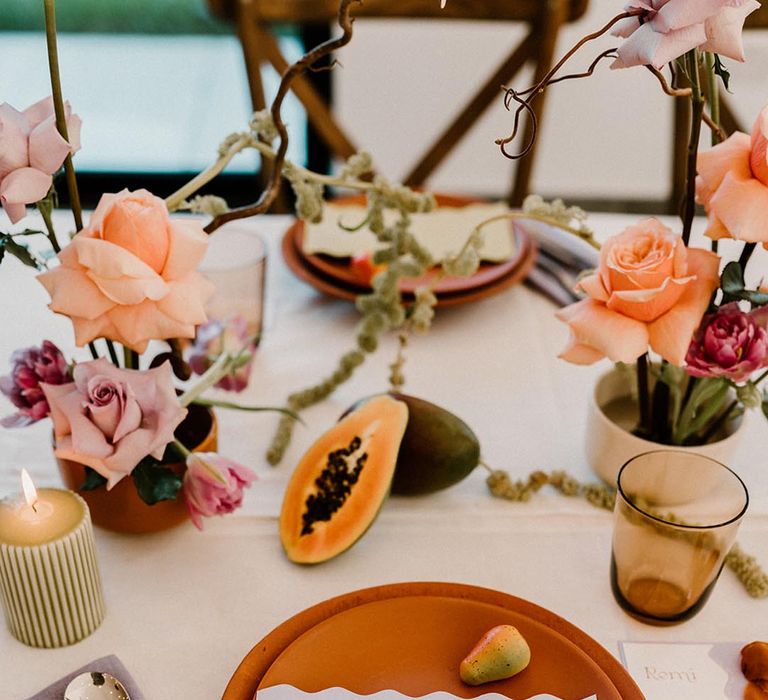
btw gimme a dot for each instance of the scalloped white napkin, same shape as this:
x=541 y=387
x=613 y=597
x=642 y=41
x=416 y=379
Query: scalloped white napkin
x=442 y=232
x=288 y=692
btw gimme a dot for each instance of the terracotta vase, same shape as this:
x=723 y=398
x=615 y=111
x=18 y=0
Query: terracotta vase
x=612 y=414
x=121 y=509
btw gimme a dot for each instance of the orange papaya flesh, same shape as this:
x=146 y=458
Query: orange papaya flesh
x=340 y=484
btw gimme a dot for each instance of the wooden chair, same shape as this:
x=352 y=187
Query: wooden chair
x=255 y=18
x=757 y=20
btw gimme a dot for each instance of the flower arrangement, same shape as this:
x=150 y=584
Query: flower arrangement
x=694 y=333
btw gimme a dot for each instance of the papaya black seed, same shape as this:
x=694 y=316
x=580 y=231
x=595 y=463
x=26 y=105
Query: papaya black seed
x=334 y=485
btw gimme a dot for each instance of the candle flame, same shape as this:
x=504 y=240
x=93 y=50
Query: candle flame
x=30 y=492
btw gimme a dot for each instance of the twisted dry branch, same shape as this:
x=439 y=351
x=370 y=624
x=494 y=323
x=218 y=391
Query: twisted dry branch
x=549 y=78
x=272 y=189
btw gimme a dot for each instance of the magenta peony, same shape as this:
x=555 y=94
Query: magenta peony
x=31 y=367
x=217 y=337
x=213 y=485
x=110 y=418
x=31 y=151
x=729 y=343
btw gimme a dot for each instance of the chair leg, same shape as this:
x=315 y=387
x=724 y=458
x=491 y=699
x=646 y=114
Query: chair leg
x=546 y=33
x=446 y=142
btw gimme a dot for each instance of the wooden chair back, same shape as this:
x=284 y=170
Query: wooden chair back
x=255 y=19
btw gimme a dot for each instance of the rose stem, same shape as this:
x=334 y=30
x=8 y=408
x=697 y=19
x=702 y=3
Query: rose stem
x=746 y=254
x=642 y=393
x=761 y=377
x=45 y=212
x=714 y=113
x=58 y=105
x=697 y=112
x=94 y=351
x=716 y=425
x=130 y=358
x=112 y=353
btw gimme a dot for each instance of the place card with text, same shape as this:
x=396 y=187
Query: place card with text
x=678 y=671
x=288 y=692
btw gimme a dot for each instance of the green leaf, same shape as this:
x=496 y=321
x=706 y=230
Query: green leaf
x=93 y=480
x=155 y=483
x=732 y=284
x=765 y=403
x=19 y=251
x=722 y=71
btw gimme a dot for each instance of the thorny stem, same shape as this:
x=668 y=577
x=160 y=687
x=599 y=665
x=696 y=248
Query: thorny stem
x=58 y=105
x=642 y=393
x=718 y=134
x=712 y=121
x=45 y=212
x=270 y=193
x=746 y=254
x=547 y=79
x=697 y=112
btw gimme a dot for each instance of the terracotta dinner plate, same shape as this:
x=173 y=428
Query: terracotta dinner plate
x=335 y=276
x=411 y=638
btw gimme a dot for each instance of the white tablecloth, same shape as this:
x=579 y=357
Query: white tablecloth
x=184 y=607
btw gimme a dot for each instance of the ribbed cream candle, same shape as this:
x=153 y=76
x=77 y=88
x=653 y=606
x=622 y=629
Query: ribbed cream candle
x=50 y=585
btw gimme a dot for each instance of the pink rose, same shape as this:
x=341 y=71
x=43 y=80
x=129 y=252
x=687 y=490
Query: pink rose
x=667 y=29
x=217 y=337
x=648 y=290
x=213 y=485
x=729 y=343
x=31 y=368
x=110 y=418
x=130 y=275
x=732 y=184
x=31 y=151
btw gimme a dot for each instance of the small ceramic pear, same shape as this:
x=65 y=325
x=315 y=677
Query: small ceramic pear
x=501 y=653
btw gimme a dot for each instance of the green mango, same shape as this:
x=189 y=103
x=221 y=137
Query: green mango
x=438 y=449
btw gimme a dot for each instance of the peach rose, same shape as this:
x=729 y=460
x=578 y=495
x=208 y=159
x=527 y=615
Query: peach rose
x=648 y=290
x=732 y=184
x=130 y=275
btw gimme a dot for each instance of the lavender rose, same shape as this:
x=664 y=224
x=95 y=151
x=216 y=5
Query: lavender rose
x=729 y=343
x=110 y=418
x=213 y=485
x=31 y=367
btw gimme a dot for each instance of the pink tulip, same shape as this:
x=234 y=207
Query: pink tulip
x=648 y=290
x=31 y=151
x=667 y=29
x=732 y=184
x=31 y=368
x=130 y=275
x=729 y=343
x=213 y=485
x=110 y=418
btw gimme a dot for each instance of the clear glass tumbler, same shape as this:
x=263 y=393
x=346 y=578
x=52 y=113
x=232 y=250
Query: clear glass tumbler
x=236 y=263
x=675 y=520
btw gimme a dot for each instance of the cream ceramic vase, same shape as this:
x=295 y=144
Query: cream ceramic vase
x=612 y=415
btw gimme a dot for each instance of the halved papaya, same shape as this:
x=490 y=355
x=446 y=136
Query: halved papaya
x=338 y=487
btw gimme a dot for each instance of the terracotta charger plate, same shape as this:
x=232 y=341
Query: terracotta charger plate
x=335 y=276
x=411 y=638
